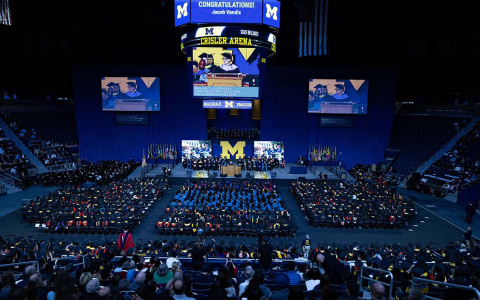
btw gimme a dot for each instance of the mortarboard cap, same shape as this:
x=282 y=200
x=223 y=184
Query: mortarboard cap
x=417 y=271
x=319 y=86
x=203 y=55
x=462 y=280
x=397 y=267
x=227 y=55
x=406 y=265
x=111 y=84
x=385 y=264
x=339 y=85
x=131 y=83
x=440 y=266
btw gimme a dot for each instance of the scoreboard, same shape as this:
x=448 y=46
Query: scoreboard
x=260 y=12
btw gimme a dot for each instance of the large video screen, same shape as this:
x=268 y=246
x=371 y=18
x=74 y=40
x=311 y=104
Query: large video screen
x=130 y=93
x=338 y=96
x=192 y=149
x=227 y=73
x=269 y=149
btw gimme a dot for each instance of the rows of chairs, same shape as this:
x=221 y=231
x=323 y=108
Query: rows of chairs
x=112 y=228
x=331 y=222
x=228 y=230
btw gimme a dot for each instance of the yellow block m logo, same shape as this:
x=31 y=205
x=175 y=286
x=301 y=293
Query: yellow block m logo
x=227 y=149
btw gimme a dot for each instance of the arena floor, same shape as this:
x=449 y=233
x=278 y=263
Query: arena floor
x=438 y=221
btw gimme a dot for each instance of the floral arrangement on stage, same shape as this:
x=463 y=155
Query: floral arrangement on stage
x=262 y=175
x=200 y=174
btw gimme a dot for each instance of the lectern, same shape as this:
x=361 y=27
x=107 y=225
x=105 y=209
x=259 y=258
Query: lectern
x=231 y=170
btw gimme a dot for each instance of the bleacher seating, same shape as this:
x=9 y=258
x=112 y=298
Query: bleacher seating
x=418 y=137
x=408 y=265
x=234 y=134
x=12 y=161
x=457 y=167
x=48 y=151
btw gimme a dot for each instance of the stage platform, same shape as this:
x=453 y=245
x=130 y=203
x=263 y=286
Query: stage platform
x=284 y=175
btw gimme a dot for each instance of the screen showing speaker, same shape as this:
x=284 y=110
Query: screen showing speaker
x=269 y=149
x=192 y=149
x=338 y=96
x=226 y=73
x=130 y=93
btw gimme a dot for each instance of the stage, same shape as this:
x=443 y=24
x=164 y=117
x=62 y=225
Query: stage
x=285 y=175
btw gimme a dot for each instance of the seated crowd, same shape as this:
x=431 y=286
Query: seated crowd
x=367 y=203
x=102 y=209
x=12 y=160
x=49 y=152
x=178 y=270
x=214 y=163
x=233 y=134
x=457 y=167
x=217 y=207
x=101 y=173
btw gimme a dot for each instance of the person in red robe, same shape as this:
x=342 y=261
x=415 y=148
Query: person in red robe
x=125 y=241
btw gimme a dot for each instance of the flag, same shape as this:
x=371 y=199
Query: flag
x=144 y=160
x=5 y=17
x=312 y=27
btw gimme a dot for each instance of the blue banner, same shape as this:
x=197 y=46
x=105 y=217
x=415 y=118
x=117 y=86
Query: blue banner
x=227 y=12
x=271 y=13
x=225 y=104
x=182 y=12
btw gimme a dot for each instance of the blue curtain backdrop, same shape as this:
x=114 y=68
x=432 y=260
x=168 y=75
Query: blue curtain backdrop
x=284 y=114
x=285 y=117
x=100 y=139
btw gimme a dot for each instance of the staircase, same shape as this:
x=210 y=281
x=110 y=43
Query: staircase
x=10 y=183
x=445 y=148
x=21 y=146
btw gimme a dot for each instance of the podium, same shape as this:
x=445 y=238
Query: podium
x=231 y=170
x=225 y=80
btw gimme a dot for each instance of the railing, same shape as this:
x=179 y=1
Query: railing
x=58 y=265
x=395 y=156
x=445 y=285
x=21 y=264
x=10 y=180
x=361 y=278
x=32 y=172
x=149 y=167
x=62 y=167
x=3 y=189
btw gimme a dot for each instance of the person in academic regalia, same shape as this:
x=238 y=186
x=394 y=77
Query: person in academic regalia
x=228 y=66
x=470 y=212
x=125 y=240
x=340 y=92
